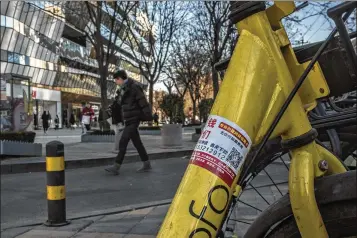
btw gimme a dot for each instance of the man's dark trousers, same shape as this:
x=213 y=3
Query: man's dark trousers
x=131 y=133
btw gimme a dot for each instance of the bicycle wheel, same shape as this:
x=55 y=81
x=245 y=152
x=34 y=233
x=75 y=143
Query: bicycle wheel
x=339 y=218
x=269 y=183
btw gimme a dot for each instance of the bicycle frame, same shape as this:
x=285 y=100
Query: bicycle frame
x=261 y=74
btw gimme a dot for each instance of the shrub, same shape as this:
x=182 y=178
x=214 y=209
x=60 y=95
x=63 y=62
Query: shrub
x=172 y=106
x=23 y=136
x=205 y=108
x=149 y=128
x=99 y=132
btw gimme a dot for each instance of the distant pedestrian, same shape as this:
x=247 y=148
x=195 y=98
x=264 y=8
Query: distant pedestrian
x=72 y=121
x=45 y=119
x=135 y=108
x=87 y=114
x=56 y=122
x=156 y=119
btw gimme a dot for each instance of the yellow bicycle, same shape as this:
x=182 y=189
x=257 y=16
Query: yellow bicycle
x=266 y=93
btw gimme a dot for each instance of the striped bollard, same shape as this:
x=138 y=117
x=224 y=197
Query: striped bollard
x=56 y=192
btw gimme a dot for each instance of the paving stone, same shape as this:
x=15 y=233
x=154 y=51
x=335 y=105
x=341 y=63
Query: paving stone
x=113 y=226
x=47 y=234
x=10 y=233
x=98 y=235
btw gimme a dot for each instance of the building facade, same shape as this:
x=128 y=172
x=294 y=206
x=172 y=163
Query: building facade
x=45 y=52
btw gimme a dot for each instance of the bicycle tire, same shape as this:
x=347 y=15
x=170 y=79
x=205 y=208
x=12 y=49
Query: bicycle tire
x=329 y=191
x=339 y=218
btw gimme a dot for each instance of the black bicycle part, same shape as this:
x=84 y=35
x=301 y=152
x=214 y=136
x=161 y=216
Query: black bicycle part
x=294 y=91
x=243 y=9
x=300 y=140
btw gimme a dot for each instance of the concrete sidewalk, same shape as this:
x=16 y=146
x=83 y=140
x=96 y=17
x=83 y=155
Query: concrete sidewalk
x=79 y=155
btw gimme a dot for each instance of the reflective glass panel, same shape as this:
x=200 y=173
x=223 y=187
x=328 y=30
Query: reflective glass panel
x=12 y=42
x=3 y=7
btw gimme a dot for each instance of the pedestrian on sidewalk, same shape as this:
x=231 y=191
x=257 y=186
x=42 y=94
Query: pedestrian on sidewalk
x=56 y=122
x=72 y=121
x=45 y=119
x=87 y=114
x=135 y=108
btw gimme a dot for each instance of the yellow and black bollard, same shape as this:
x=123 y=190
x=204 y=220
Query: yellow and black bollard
x=56 y=192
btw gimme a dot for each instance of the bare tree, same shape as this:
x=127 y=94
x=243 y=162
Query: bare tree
x=103 y=23
x=159 y=20
x=190 y=66
x=215 y=30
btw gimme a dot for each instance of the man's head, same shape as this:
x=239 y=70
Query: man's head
x=87 y=105
x=120 y=76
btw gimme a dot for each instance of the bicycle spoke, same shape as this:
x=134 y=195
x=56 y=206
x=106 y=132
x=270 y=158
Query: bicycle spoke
x=284 y=163
x=273 y=182
x=248 y=223
x=249 y=205
x=259 y=194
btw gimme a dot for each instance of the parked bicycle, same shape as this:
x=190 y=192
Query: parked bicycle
x=273 y=101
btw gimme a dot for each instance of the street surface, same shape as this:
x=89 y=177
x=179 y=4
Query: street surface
x=23 y=196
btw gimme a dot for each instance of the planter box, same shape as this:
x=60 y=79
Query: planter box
x=198 y=130
x=171 y=135
x=97 y=138
x=150 y=130
x=20 y=148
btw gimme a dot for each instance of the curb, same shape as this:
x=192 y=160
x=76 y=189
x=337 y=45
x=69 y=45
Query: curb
x=87 y=163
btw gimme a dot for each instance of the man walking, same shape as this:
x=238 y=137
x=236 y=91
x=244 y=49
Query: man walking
x=135 y=108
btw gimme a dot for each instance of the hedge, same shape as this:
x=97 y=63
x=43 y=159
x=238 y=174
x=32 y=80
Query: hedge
x=24 y=136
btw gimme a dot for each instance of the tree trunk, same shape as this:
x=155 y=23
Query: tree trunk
x=194 y=113
x=151 y=98
x=104 y=97
x=215 y=82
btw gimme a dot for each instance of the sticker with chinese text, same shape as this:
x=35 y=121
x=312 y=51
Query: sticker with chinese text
x=222 y=148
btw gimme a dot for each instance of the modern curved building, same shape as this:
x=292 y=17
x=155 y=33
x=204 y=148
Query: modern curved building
x=46 y=52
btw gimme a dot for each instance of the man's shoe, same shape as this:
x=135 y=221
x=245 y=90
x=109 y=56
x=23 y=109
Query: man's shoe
x=114 y=169
x=145 y=167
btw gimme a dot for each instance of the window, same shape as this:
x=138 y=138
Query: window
x=2 y=33
x=3 y=67
x=12 y=42
x=24 y=13
x=40 y=75
x=26 y=70
x=9 y=22
x=11 y=9
x=4 y=55
x=30 y=47
x=24 y=46
x=4 y=5
x=34 y=50
x=39 y=52
x=40 y=21
x=8 y=68
x=18 y=10
x=18 y=41
x=30 y=13
x=21 y=69
x=2 y=20
x=15 y=68
x=34 y=19
x=44 y=78
x=31 y=71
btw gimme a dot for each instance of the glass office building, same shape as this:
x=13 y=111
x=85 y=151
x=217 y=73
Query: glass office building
x=40 y=45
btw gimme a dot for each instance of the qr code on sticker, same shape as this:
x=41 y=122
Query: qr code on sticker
x=234 y=158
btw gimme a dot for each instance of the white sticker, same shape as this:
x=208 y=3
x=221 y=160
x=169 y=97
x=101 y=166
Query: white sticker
x=222 y=148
